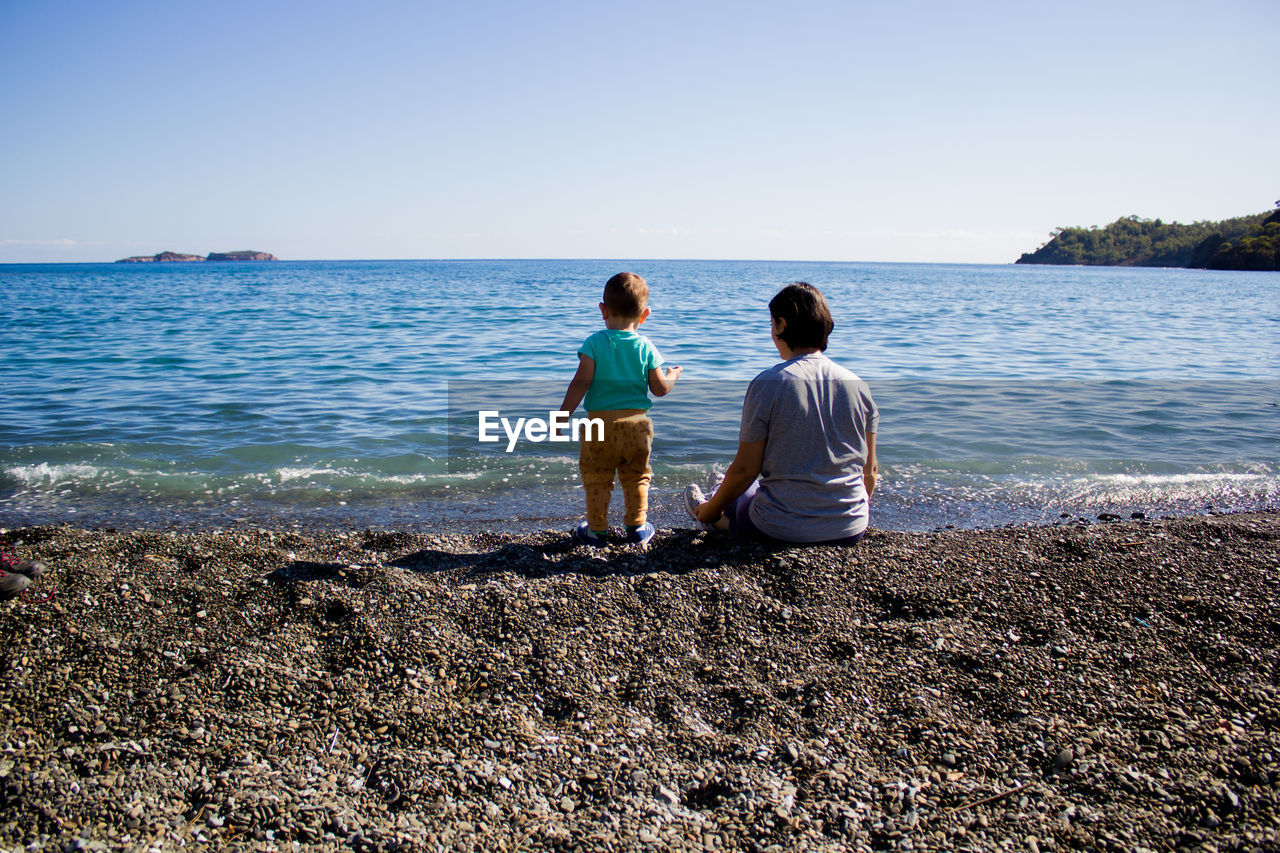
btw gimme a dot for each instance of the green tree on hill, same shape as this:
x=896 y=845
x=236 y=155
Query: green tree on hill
x=1246 y=242
x=1258 y=250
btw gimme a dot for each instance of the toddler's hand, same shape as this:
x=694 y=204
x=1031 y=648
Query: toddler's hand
x=673 y=373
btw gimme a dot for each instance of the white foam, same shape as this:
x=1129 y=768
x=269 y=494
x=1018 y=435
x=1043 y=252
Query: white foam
x=302 y=473
x=43 y=473
x=404 y=479
x=1168 y=480
x=1161 y=489
x=289 y=474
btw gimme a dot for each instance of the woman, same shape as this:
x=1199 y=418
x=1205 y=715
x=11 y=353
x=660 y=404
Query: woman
x=808 y=433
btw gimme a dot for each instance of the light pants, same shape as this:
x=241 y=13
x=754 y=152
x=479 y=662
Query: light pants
x=628 y=439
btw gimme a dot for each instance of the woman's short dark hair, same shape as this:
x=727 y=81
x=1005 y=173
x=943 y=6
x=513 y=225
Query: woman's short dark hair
x=808 y=316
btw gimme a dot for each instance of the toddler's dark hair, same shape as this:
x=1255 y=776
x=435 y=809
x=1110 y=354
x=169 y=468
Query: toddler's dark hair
x=808 y=316
x=626 y=295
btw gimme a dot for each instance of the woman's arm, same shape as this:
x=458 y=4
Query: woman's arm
x=871 y=469
x=742 y=472
x=579 y=384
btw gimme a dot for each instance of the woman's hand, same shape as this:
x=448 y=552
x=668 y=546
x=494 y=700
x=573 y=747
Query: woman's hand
x=742 y=472
x=708 y=514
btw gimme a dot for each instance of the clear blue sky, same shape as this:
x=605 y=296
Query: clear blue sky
x=919 y=130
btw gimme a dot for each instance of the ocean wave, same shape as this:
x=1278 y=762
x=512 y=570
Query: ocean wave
x=1170 y=490
x=1164 y=480
x=52 y=474
x=288 y=475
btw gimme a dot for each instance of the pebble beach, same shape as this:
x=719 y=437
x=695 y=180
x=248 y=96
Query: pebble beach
x=1082 y=686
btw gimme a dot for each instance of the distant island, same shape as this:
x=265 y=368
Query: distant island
x=178 y=257
x=1243 y=243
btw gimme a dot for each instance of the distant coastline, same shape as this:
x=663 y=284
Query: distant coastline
x=178 y=257
x=1243 y=243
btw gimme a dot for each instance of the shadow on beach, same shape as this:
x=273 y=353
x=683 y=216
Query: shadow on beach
x=552 y=554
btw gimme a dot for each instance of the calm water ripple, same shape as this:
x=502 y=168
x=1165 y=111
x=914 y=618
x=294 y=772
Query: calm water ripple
x=217 y=393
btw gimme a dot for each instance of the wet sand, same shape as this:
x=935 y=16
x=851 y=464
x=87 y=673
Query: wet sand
x=1085 y=686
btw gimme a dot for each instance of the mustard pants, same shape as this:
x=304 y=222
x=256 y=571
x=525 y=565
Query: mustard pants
x=628 y=440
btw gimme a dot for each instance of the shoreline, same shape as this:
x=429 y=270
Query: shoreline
x=555 y=509
x=1055 y=687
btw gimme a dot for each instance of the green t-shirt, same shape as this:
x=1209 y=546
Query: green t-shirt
x=623 y=361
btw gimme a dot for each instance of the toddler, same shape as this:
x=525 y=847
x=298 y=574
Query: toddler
x=617 y=368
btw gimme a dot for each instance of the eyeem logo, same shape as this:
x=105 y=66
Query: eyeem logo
x=558 y=427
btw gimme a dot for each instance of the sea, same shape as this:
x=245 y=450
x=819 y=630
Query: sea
x=352 y=393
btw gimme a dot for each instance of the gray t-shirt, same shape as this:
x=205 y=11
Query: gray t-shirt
x=814 y=417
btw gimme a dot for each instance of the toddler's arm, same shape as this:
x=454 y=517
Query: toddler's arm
x=661 y=382
x=579 y=384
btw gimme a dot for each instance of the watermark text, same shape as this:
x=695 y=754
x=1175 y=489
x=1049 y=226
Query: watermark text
x=557 y=427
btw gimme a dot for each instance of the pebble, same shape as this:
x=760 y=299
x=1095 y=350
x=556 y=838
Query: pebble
x=389 y=690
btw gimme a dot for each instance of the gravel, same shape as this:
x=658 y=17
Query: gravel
x=1099 y=686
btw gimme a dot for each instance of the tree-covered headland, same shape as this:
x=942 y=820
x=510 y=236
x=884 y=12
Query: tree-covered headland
x=1243 y=243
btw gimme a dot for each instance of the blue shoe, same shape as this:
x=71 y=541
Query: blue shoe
x=582 y=534
x=640 y=535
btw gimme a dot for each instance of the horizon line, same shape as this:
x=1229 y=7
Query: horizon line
x=515 y=259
